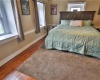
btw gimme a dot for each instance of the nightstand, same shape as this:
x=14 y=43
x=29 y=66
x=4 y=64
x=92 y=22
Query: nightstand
x=98 y=28
x=50 y=27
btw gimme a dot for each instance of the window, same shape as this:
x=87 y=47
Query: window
x=1 y=28
x=7 y=21
x=3 y=20
x=41 y=13
x=79 y=6
x=77 y=9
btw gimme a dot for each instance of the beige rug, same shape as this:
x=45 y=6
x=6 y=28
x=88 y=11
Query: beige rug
x=57 y=65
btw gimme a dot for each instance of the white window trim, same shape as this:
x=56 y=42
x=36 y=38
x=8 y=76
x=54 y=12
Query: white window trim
x=41 y=27
x=76 y=5
x=7 y=38
x=78 y=9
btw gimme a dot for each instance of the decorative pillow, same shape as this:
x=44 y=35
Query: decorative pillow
x=65 y=22
x=76 y=23
x=87 y=22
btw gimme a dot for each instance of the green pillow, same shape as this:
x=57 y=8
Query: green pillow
x=87 y=22
x=65 y=22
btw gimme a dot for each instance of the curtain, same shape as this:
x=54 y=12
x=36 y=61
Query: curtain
x=37 y=29
x=17 y=20
x=99 y=11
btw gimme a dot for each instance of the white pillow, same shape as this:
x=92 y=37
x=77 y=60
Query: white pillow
x=76 y=23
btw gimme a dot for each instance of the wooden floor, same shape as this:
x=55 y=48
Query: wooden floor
x=7 y=69
x=15 y=75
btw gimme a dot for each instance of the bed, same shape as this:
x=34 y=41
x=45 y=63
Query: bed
x=83 y=40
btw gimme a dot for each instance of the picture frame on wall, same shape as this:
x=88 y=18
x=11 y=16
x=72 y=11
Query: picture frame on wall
x=99 y=11
x=53 y=9
x=25 y=7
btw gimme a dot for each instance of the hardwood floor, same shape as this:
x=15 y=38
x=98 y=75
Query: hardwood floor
x=15 y=62
x=15 y=75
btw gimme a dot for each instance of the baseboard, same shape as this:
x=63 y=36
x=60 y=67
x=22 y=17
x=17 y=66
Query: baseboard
x=19 y=51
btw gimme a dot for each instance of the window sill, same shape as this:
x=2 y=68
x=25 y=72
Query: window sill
x=6 y=38
x=41 y=27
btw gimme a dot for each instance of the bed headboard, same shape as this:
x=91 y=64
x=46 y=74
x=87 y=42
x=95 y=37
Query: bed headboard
x=76 y=15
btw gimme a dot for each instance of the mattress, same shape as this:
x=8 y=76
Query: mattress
x=83 y=40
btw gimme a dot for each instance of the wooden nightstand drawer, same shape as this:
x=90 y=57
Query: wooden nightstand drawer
x=50 y=27
x=98 y=29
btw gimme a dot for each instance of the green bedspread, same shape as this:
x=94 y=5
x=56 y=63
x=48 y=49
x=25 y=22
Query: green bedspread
x=83 y=40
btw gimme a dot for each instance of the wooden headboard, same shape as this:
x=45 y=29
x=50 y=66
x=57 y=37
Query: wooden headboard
x=82 y=15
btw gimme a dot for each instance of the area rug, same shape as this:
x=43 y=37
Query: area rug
x=57 y=65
